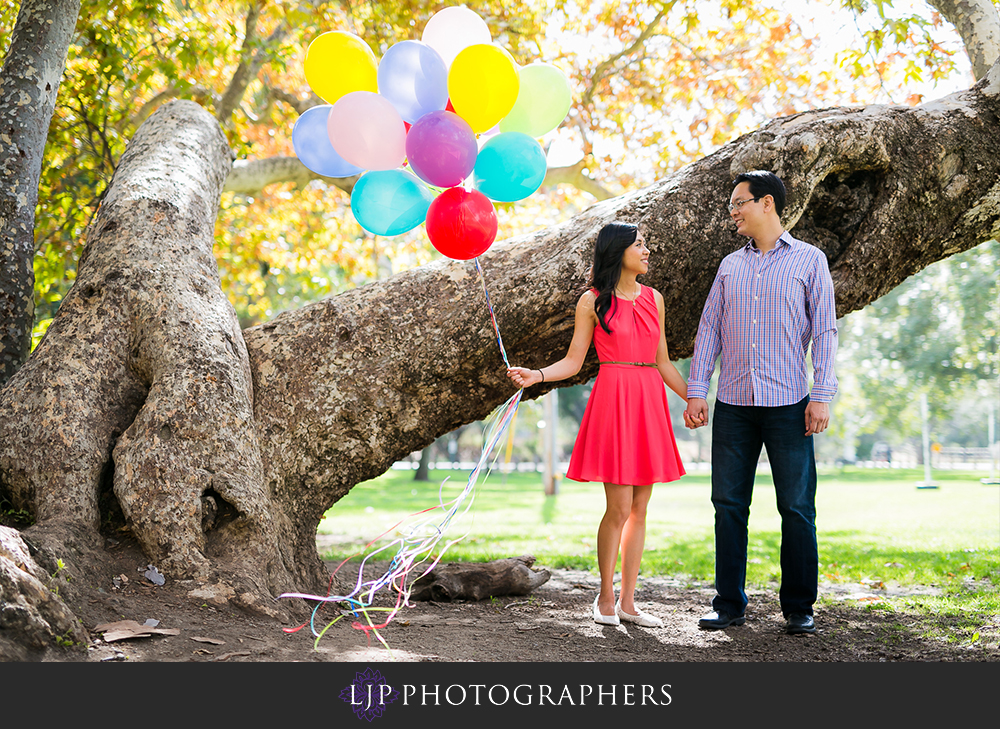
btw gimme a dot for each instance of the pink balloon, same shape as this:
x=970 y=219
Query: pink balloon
x=441 y=148
x=366 y=130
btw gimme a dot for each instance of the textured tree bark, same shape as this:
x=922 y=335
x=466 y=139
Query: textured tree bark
x=224 y=460
x=32 y=616
x=29 y=83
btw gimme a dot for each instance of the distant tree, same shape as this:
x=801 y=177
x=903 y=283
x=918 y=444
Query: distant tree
x=35 y=55
x=936 y=333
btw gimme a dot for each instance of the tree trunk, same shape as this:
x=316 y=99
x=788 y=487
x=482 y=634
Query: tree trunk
x=423 y=472
x=224 y=458
x=29 y=83
x=141 y=387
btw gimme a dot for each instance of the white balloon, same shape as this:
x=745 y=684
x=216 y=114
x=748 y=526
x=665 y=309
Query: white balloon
x=454 y=29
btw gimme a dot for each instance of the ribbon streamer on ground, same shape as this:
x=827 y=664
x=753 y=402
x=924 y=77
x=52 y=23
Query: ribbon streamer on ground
x=419 y=535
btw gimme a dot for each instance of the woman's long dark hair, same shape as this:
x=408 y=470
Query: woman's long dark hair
x=612 y=242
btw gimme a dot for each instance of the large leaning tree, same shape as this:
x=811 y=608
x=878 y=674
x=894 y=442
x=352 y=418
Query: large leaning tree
x=145 y=405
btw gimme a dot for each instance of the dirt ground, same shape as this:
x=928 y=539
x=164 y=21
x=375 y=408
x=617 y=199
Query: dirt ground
x=551 y=624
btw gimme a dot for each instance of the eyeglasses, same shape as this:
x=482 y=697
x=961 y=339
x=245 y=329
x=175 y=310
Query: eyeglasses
x=738 y=205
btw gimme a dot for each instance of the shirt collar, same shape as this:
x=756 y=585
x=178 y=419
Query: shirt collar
x=785 y=238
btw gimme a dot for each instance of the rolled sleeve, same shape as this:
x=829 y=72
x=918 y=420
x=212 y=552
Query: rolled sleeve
x=707 y=343
x=823 y=308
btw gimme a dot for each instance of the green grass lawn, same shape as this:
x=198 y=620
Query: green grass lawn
x=874 y=525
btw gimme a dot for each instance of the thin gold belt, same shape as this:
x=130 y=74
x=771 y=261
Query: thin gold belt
x=634 y=364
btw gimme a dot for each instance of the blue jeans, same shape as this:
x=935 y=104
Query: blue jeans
x=738 y=432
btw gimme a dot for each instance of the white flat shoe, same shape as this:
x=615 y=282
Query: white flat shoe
x=604 y=619
x=643 y=619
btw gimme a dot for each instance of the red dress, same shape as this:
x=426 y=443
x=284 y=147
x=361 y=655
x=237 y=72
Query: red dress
x=625 y=436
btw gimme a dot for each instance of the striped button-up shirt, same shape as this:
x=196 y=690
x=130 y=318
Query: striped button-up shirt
x=762 y=312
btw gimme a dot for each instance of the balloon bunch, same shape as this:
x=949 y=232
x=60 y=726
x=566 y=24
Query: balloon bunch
x=439 y=130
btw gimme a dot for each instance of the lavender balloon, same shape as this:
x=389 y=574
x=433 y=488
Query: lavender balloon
x=413 y=77
x=441 y=148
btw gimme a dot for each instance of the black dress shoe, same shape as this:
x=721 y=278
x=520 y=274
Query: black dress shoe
x=799 y=623
x=720 y=620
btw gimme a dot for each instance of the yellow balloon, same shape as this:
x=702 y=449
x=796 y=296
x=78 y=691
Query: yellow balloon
x=483 y=85
x=338 y=63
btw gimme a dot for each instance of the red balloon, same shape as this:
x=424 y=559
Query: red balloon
x=461 y=224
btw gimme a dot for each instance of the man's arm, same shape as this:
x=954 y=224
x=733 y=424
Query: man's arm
x=707 y=346
x=823 y=316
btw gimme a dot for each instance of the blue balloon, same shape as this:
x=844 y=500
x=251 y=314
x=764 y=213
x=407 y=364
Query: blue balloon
x=390 y=202
x=312 y=145
x=414 y=78
x=510 y=166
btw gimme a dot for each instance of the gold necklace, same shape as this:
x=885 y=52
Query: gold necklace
x=636 y=295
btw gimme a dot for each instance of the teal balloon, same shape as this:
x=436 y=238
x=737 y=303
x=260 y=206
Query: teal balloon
x=510 y=167
x=390 y=202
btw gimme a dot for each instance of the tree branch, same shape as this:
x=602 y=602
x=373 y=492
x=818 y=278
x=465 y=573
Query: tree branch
x=249 y=177
x=884 y=191
x=245 y=71
x=299 y=104
x=606 y=67
x=978 y=23
x=574 y=175
x=252 y=57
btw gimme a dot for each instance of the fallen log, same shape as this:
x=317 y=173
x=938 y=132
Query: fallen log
x=478 y=581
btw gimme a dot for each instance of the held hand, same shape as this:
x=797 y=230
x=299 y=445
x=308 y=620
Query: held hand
x=817 y=417
x=523 y=377
x=696 y=414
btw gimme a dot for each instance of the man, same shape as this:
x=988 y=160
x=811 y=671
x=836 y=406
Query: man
x=769 y=299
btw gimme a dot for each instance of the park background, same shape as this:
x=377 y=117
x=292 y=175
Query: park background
x=901 y=482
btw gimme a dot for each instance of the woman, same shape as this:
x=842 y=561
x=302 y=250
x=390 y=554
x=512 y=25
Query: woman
x=625 y=439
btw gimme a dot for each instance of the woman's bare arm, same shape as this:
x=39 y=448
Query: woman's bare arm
x=583 y=334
